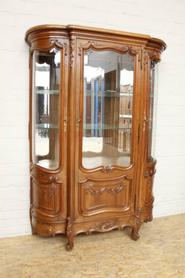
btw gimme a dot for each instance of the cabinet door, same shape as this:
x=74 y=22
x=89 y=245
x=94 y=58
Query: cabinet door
x=46 y=109
x=48 y=131
x=106 y=134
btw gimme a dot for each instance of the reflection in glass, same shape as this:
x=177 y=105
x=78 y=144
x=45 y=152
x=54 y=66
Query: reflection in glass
x=46 y=80
x=107 y=118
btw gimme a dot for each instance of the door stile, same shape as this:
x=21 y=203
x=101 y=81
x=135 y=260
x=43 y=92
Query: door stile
x=142 y=158
x=138 y=126
x=71 y=134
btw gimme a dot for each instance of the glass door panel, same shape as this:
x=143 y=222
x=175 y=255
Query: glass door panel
x=45 y=122
x=107 y=109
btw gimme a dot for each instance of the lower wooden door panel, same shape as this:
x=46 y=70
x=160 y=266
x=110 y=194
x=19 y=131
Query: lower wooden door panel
x=105 y=196
x=48 y=201
x=48 y=210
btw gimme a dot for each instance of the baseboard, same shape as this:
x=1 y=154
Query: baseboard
x=169 y=207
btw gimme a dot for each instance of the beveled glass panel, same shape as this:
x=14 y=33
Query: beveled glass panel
x=46 y=83
x=107 y=109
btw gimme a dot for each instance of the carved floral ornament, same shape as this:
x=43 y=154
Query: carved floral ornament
x=89 y=188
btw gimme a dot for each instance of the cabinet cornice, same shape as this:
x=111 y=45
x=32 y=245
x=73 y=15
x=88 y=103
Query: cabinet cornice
x=48 y=30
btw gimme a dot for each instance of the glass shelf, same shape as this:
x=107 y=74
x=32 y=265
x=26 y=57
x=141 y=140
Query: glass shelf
x=47 y=92
x=113 y=93
x=110 y=94
x=48 y=163
x=46 y=126
x=105 y=128
x=125 y=116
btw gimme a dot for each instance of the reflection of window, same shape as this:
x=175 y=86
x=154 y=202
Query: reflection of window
x=42 y=75
x=126 y=77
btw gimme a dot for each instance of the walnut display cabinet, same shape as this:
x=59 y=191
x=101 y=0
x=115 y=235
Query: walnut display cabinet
x=90 y=130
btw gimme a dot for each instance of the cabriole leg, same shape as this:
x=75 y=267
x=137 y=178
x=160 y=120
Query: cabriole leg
x=135 y=233
x=70 y=234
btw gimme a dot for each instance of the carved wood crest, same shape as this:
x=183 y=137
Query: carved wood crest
x=97 y=45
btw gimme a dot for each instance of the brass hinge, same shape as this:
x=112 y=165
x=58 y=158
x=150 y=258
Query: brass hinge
x=135 y=201
x=138 y=134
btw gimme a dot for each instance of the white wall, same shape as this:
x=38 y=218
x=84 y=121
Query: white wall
x=163 y=19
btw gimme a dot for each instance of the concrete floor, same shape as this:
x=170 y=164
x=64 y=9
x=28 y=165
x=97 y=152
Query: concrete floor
x=159 y=253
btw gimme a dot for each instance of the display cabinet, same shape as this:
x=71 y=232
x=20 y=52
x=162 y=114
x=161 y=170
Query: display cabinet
x=90 y=129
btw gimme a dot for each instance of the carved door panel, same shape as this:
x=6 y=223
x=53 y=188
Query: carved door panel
x=106 y=128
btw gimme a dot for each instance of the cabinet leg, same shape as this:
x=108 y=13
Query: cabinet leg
x=135 y=233
x=70 y=234
x=69 y=245
x=33 y=230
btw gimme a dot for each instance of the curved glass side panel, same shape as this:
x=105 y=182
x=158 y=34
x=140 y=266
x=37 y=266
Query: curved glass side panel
x=151 y=103
x=107 y=109
x=45 y=111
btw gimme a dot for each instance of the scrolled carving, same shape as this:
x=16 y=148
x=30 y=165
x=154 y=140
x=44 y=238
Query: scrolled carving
x=70 y=234
x=72 y=50
x=89 y=44
x=154 y=55
x=149 y=173
x=84 y=179
x=79 y=51
x=132 y=50
x=145 y=58
x=69 y=229
x=44 y=179
x=98 y=45
x=137 y=219
x=58 y=44
x=54 y=179
x=105 y=226
x=98 y=191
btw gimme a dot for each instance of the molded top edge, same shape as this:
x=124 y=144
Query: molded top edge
x=70 y=28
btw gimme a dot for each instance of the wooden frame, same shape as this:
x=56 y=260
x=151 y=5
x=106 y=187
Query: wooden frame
x=71 y=199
